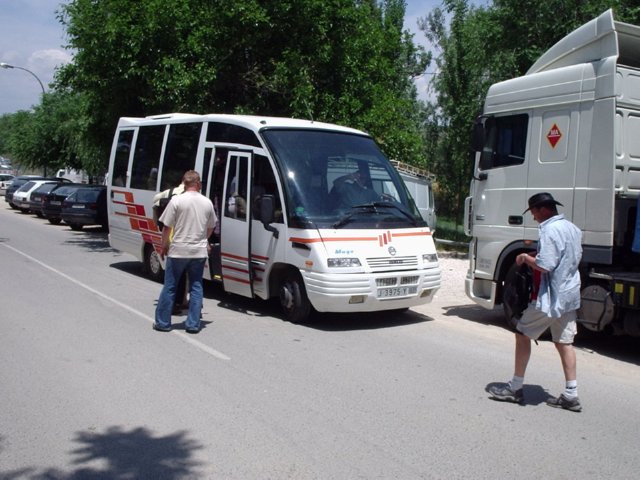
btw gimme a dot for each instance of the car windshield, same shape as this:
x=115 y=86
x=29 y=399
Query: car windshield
x=339 y=180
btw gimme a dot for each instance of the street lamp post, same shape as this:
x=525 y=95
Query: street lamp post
x=6 y=65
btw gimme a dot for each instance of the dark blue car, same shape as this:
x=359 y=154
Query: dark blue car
x=86 y=206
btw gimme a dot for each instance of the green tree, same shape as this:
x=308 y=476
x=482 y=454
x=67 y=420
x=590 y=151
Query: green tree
x=459 y=85
x=52 y=136
x=343 y=61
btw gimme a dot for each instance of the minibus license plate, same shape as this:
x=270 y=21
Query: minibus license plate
x=396 y=292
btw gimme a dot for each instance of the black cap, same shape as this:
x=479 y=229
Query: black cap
x=540 y=200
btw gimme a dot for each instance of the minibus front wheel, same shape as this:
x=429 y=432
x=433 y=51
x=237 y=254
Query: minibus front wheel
x=293 y=298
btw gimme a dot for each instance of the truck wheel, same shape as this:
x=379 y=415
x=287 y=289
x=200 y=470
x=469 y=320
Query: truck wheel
x=293 y=299
x=152 y=264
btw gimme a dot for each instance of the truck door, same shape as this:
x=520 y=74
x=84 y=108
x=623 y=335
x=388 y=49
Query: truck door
x=234 y=225
x=500 y=188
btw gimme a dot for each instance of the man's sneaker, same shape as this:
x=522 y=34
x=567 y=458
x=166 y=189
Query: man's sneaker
x=567 y=403
x=505 y=394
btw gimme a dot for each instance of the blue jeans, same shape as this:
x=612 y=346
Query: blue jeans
x=174 y=269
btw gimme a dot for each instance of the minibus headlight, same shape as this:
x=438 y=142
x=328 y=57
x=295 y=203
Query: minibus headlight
x=430 y=257
x=343 y=262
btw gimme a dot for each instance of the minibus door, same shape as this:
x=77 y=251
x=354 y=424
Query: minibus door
x=234 y=227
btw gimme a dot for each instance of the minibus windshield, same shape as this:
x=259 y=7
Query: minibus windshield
x=337 y=180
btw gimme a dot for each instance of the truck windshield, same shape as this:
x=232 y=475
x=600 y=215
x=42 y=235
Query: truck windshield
x=339 y=180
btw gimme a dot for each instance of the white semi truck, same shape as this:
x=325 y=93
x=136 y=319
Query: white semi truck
x=570 y=126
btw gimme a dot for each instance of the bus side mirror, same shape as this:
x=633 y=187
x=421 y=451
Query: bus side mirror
x=266 y=213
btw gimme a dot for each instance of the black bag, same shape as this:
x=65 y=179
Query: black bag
x=160 y=208
x=517 y=290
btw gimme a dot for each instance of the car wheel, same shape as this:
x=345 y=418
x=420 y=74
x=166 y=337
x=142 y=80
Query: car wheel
x=54 y=221
x=75 y=226
x=152 y=264
x=293 y=299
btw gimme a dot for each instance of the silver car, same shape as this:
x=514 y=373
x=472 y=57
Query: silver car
x=5 y=181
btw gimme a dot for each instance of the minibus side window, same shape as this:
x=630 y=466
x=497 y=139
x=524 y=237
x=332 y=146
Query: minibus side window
x=180 y=153
x=264 y=183
x=121 y=160
x=146 y=157
x=236 y=201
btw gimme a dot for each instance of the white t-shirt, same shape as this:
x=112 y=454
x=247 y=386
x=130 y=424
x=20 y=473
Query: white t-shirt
x=190 y=214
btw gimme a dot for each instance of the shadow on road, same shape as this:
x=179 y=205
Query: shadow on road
x=136 y=453
x=533 y=394
x=93 y=239
x=623 y=348
x=332 y=322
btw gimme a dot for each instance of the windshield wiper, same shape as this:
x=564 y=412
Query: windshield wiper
x=401 y=208
x=347 y=218
x=372 y=207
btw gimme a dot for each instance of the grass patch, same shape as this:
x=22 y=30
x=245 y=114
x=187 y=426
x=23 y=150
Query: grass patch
x=448 y=230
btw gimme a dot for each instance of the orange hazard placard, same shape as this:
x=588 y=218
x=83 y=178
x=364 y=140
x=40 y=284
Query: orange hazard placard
x=554 y=135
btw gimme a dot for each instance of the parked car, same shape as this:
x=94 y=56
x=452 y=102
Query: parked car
x=20 y=180
x=16 y=183
x=36 y=201
x=52 y=201
x=86 y=206
x=22 y=196
x=5 y=181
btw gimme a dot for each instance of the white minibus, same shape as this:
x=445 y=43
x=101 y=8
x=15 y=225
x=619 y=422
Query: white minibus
x=285 y=229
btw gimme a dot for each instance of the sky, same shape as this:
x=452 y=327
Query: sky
x=31 y=37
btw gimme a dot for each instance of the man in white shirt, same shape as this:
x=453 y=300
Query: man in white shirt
x=192 y=219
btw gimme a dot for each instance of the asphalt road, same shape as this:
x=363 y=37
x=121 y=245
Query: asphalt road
x=88 y=390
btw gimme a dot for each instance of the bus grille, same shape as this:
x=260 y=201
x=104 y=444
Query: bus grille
x=392 y=262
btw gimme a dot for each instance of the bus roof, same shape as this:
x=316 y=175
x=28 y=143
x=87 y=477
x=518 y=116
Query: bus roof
x=252 y=122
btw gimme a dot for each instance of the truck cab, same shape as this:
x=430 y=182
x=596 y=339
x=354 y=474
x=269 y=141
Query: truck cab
x=569 y=127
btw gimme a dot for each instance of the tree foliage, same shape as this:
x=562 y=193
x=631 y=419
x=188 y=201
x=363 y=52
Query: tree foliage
x=52 y=136
x=342 y=61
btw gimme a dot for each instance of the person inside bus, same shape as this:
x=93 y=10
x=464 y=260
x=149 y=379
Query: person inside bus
x=353 y=189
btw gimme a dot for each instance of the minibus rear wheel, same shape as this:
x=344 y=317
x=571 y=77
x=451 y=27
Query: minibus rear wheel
x=152 y=265
x=293 y=298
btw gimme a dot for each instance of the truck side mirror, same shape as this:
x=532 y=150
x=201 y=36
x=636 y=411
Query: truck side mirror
x=477 y=136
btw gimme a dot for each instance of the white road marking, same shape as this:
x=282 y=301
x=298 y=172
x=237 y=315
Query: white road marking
x=182 y=335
